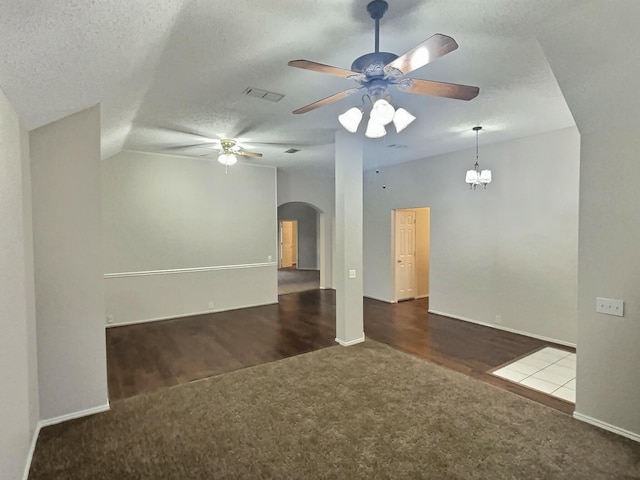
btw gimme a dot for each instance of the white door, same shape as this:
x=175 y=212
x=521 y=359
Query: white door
x=286 y=245
x=405 y=255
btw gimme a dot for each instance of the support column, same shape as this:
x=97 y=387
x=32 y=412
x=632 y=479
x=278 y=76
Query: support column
x=348 y=169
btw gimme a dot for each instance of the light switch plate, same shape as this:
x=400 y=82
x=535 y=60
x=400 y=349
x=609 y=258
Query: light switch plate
x=610 y=306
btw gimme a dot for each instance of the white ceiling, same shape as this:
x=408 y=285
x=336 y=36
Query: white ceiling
x=170 y=73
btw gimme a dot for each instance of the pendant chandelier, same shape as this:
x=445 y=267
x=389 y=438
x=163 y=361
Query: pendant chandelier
x=476 y=176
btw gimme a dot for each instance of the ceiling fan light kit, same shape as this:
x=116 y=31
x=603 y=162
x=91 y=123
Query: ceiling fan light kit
x=230 y=150
x=227 y=159
x=376 y=72
x=475 y=176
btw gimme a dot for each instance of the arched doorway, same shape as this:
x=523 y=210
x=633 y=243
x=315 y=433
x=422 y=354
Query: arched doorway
x=301 y=247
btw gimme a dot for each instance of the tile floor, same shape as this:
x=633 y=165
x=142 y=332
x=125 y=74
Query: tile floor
x=550 y=370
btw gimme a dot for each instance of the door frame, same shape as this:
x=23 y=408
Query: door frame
x=419 y=257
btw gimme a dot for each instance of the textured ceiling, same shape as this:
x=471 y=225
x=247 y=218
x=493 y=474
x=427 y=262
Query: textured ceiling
x=170 y=73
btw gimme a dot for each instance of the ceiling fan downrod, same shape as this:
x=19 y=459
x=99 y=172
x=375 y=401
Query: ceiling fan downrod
x=377 y=9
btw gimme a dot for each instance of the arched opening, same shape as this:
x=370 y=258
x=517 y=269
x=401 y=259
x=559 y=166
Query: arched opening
x=301 y=247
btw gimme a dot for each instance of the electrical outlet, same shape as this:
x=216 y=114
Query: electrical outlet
x=498 y=318
x=352 y=274
x=211 y=305
x=610 y=306
x=109 y=318
x=269 y=258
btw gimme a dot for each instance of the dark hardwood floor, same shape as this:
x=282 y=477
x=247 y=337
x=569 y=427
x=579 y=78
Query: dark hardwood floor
x=149 y=356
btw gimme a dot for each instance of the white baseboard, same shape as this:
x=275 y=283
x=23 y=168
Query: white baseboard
x=54 y=421
x=183 y=315
x=607 y=426
x=73 y=416
x=506 y=329
x=350 y=342
x=32 y=448
x=385 y=300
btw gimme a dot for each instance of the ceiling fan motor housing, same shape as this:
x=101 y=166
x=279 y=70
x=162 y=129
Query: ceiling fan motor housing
x=372 y=64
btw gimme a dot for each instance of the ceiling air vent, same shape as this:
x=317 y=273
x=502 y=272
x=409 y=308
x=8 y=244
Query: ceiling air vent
x=396 y=145
x=263 y=94
x=292 y=150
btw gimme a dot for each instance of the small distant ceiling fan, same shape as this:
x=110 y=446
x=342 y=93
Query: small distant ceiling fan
x=228 y=150
x=376 y=72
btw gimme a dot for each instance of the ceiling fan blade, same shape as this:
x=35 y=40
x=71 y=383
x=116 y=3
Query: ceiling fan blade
x=206 y=154
x=432 y=48
x=248 y=154
x=319 y=67
x=442 y=89
x=195 y=145
x=325 y=101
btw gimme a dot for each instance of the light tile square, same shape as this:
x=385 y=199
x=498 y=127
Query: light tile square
x=567 y=372
x=565 y=394
x=569 y=361
x=571 y=384
x=552 y=377
x=534 y=362
x=509 y=374
x=550 y=354
x=539 y=384
x=523 y=368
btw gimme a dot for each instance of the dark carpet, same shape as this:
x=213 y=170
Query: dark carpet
x=362 y=412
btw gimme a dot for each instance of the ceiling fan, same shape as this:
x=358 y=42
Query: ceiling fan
x=230 y=150
x=376 y=72
x=227 y=148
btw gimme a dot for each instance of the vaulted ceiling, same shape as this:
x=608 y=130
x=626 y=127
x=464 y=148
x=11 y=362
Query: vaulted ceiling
x=171 y=73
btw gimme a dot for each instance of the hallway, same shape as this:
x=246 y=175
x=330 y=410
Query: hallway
x=291 y=280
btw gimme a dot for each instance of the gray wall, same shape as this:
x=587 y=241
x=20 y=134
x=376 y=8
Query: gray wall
x=607 y=112
x=307 y=218
x=509 y=250
x=65 y=158
x=183 y=237
x=18 y=357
